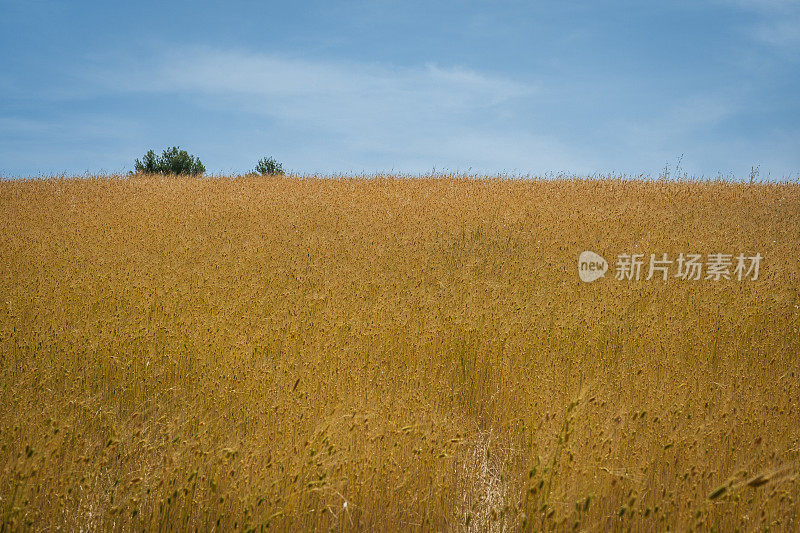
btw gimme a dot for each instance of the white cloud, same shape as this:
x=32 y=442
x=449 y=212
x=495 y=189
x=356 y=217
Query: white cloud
x=344 y=116
x=776 y=22
x=780 y=32
x=672 y=133
x=415 y=117
x=291 y=87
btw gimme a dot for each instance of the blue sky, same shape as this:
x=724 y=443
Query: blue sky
x=351 y=87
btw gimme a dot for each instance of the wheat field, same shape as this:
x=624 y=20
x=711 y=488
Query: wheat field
x=385 y=353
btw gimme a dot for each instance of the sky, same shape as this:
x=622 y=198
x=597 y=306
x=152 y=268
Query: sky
x=703 y=88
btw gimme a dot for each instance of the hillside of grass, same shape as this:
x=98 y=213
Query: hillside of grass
x=394 y=354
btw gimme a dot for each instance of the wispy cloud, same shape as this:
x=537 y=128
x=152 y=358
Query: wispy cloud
x=775 y=22
x=416 y=117
x=780 y=32
x=233 y=106
x=368 y=116
x=295 y=88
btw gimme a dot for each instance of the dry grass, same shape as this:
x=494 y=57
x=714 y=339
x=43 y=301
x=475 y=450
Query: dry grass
x=393 y=354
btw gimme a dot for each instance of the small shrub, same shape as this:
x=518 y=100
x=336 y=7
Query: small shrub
x=268 y=166
x=172 y=161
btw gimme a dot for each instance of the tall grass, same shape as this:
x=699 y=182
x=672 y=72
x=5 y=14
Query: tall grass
x=393 y=354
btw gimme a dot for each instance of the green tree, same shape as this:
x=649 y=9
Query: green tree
x=269 y=166
x=149 y=163
x=172 y=161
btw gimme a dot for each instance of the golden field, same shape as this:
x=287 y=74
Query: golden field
x=394 y=354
